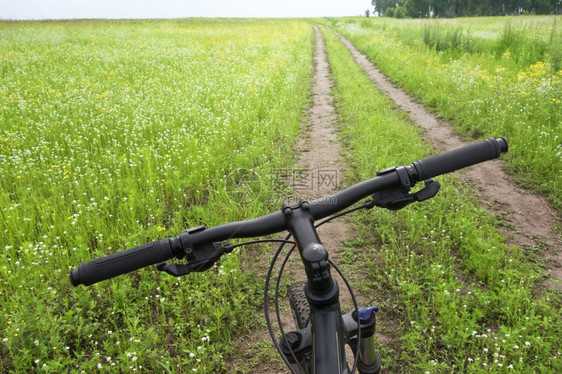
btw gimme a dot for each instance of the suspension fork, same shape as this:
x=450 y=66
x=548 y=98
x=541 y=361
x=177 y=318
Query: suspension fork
x=329 y=329
x=369 y=360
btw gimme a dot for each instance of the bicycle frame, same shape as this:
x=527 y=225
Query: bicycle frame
x=329 y=331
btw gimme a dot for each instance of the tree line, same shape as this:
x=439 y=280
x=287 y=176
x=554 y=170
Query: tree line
x=463 y=8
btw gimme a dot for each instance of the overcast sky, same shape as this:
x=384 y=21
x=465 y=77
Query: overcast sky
x=63 y=9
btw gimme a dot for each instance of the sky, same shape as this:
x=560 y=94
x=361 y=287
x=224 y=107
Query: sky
x=68 y=9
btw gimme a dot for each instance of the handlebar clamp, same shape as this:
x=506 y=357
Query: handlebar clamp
x=403 y=174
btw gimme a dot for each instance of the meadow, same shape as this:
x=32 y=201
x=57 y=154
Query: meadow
x=488 y=75
x=116 y=133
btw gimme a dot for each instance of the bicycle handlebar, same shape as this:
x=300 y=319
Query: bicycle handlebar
x=460 y=158
x=122 y=262
x=159 y=251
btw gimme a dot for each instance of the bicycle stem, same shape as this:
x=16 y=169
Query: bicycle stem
x=300 y=223
x=321 y=291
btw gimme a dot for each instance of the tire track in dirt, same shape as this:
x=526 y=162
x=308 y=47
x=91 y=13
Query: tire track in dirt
x=322 y=174
x=320 y=156
x=528 y=218
x=319 y=172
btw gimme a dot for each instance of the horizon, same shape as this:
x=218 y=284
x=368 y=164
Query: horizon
x=38 y=10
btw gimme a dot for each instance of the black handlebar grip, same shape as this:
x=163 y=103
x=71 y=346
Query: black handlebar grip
x=122 y=262
x=460 y=158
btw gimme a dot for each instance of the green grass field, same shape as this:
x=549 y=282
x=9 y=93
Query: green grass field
x=116 y=133
x=488 y=75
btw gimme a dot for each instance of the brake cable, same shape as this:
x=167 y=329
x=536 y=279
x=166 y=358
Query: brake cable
x=230 y=247
x=266 y=309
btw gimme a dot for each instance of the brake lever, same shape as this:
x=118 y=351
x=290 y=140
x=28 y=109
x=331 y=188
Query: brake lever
x=173 y=269
x=398 y=198
x=198 y=260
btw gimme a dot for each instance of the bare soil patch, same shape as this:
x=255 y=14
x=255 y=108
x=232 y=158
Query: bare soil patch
x=528 y=219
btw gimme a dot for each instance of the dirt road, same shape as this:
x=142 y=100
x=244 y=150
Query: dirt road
x=528 y=218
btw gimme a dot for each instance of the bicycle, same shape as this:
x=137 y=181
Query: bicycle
x=318 y=344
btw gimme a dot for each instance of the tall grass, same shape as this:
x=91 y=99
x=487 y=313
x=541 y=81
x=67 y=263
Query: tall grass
x=528 y=39
x=117 y=133
x=454 y=39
